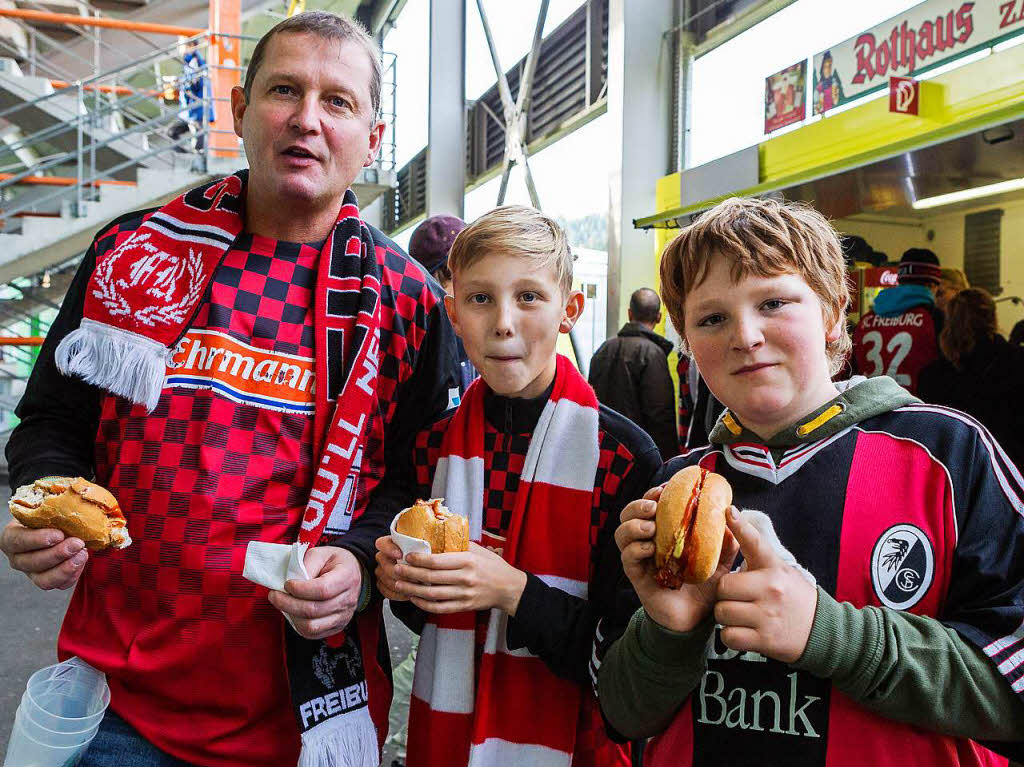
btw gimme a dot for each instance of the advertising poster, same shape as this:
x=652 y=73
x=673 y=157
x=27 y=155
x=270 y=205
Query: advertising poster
x=784 y=97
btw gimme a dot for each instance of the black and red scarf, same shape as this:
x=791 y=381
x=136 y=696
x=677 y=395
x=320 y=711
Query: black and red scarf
x=142 y=297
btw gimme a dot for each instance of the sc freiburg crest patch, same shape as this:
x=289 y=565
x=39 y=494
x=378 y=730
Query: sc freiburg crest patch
x=902 y=566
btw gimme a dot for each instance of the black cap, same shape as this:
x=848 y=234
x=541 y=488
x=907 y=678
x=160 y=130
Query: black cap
x=919 y=266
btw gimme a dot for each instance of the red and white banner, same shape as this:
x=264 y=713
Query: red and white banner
x=931 y=33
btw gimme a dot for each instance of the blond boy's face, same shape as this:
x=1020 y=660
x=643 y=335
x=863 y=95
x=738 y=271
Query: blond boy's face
x=760 y=345
x=508 y=313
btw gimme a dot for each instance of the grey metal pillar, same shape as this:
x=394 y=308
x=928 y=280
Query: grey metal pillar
x=640 y=82
x=446 y=120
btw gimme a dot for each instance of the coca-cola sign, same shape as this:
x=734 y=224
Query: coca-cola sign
x=923 y=37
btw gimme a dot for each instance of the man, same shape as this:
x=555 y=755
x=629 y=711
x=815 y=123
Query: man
x=256 y=362
x=630 y=373
x=429 y=245
x=899 y=336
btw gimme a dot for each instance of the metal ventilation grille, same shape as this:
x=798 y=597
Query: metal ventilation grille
x=981 y=249
x=571 y=78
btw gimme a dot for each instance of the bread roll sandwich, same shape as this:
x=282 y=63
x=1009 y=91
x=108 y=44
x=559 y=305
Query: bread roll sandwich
x=690 y=527
x=432 y=522
x=76 y=507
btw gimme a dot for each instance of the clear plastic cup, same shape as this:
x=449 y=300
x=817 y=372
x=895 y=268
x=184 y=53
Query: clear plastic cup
x=64 y=708
x=67 y=698
x=53 y=737
x=24 y=750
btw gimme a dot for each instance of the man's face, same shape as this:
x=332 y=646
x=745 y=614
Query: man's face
x=309 y=125
x=760 y=345
x=509 y=314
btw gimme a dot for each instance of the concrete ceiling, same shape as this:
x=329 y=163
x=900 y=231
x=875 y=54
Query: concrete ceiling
x=258 y=16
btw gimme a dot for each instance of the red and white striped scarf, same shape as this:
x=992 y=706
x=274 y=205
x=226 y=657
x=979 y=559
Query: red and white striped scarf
x=511 y=709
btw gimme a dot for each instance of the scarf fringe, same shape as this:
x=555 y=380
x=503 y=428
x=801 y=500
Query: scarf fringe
x=344 y=741
x=119 y=361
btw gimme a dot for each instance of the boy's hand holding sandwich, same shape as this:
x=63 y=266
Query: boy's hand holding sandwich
x=680 y=609
x=477 y=579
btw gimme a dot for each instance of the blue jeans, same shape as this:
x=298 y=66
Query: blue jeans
x=118 y=744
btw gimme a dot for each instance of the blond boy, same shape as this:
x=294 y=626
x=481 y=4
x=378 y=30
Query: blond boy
x=908 y=516
x=512 y=630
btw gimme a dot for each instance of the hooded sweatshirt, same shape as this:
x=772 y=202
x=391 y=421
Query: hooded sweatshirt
x=910 y=519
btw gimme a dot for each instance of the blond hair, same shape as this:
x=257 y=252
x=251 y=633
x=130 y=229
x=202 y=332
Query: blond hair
x=764 y=238
x=954 y=278
x=519 y=231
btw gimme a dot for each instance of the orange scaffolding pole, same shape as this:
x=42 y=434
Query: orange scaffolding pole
x=64 y=181
x=120 y=90
x=93 y=21
x=21 y=341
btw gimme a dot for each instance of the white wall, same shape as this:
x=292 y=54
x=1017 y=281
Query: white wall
x=949 y=245
x=891 y=239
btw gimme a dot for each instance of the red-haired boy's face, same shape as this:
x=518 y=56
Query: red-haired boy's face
x=509 y=313
x=760 y=345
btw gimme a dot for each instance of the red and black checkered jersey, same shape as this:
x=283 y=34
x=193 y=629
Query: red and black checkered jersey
x=194 y=652
x=562 y=630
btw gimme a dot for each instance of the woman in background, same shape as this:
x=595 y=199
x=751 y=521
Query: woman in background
x=982 y=374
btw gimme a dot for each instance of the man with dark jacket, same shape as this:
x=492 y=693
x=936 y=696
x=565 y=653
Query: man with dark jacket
x=630 y=373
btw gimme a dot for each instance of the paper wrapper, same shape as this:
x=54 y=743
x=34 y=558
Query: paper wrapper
x=408 y=544
x=271 y=564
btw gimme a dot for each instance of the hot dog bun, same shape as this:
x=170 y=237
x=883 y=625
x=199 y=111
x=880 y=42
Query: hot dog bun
x=76 y=507
x=432 y=522
x=690 y=526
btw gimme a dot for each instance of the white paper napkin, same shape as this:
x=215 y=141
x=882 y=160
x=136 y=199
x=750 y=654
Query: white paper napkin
x=406 y=543
x=271 y=564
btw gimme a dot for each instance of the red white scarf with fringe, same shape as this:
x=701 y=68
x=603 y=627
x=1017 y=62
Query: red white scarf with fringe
x=510 y=709
x=142 y=297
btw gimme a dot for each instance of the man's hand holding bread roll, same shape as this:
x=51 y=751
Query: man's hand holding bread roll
x=684 y=607
x=56 y=520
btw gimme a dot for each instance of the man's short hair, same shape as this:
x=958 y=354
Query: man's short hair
x=328 y=26
x=645 y=306
x=518 y=231
x=764 y=238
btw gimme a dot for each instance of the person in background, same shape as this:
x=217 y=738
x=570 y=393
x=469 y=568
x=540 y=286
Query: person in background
x=196 y=99
x=982 y=372
x=1017 y=334
x=630 y=373
x=899 y=336
x=698 y=408
x=951 y=282
x=429 y=245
